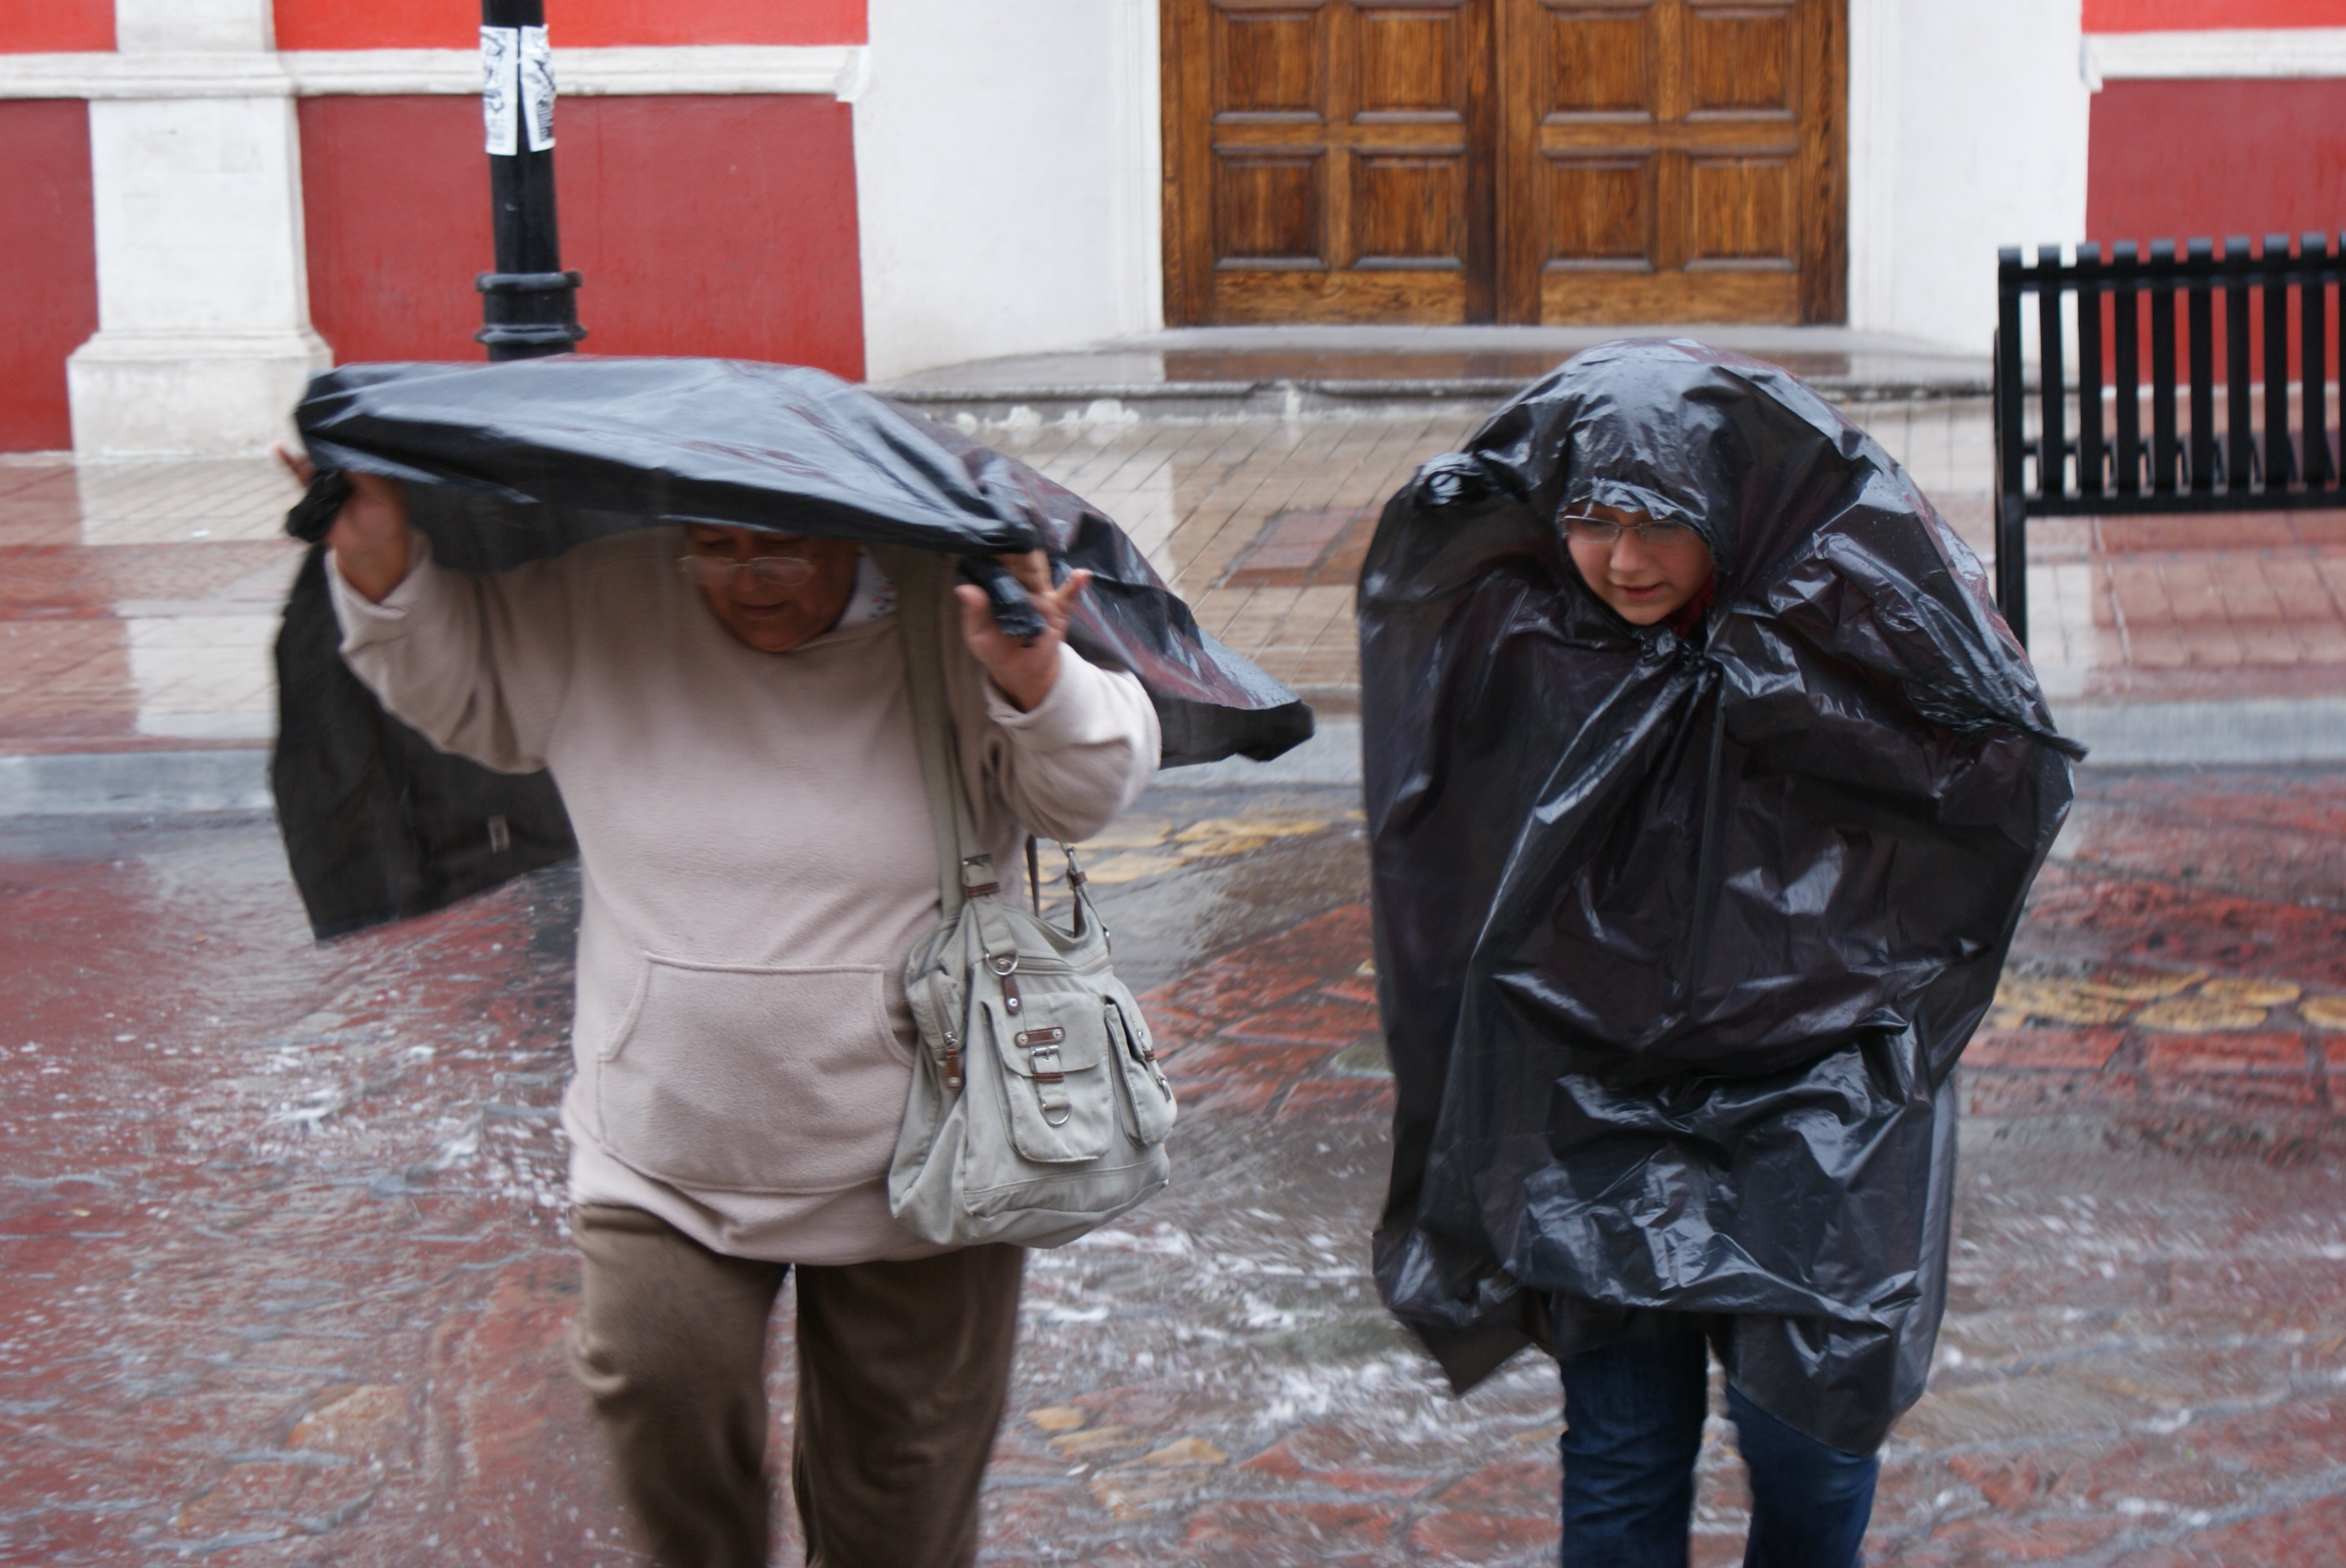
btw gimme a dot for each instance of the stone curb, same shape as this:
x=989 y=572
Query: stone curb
x=2258 y=732
x=134 y=783
x=2244 y=732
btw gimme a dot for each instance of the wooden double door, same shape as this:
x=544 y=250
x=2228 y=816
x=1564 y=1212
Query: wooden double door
x=1504 y=160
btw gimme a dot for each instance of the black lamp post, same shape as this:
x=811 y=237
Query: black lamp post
x=529 y=305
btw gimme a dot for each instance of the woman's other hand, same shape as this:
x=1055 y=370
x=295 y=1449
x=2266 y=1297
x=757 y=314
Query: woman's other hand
x=1023 y=671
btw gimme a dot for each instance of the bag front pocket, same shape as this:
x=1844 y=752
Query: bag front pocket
x=1053 y=1053
x=742 y=1079
x=1149 y=1096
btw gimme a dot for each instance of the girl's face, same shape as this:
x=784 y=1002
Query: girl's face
x=1645 y=569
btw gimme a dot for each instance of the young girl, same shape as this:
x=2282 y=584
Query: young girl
x=1705 y=787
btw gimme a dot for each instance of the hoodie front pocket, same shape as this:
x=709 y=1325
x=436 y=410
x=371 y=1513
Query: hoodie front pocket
x=739 y=1079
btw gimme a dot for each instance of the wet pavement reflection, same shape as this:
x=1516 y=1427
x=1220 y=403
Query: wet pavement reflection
x=285 y=1271
x=138 y=600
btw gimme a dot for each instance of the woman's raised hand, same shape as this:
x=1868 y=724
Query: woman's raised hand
x=369 y=537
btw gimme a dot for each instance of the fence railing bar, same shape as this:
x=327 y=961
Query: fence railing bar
x=2128 y=327
x=2280 y=463
x=2238 y=417
x=2090 y=447
x=2011 y=506
x=2164 y=450
x=2199 y=315
x=2052 y=383
x=2313 y=368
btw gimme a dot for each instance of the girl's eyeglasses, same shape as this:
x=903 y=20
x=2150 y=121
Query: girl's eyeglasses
x=770 y=571
x=1590 y=530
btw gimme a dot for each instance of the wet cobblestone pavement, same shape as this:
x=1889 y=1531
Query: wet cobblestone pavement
x=137 y=600
x=283 y=1268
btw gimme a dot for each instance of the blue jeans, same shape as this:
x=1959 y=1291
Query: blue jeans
x=1634 y=1413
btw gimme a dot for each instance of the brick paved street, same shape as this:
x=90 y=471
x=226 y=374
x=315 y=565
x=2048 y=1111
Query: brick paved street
x=284 y=1269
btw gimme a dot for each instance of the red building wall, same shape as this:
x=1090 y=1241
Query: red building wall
x=2180 y=159
x=704 y=225
x=2191 y=15
x=577 y=24
x=55 y=27
x=48 y=267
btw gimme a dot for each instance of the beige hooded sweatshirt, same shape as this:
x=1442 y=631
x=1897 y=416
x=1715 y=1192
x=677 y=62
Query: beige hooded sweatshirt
x=758 y=862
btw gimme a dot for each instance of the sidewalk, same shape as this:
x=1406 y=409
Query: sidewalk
x=1288 y=370
x=138 y=602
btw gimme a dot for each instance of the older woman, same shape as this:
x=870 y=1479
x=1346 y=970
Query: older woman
x=725 y=714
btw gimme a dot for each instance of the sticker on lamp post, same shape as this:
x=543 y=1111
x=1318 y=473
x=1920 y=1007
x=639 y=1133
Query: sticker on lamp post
x=500 y=89
x=537 y=88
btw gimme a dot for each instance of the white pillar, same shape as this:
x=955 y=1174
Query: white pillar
x=204 y=341
x=1967 y=131
x=1008 y=193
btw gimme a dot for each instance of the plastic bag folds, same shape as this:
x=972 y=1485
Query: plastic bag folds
x=513 y=462
x=1680 y=934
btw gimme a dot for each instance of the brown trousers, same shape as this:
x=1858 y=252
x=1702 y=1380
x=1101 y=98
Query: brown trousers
x=903 y=1371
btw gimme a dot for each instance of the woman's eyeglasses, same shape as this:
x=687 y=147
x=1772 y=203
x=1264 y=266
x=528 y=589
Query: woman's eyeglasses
x=1583 y=528
x=770 y=571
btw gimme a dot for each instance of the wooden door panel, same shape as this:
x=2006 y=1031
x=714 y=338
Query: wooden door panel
x=1409 y=298
x=1410 y=61
x=1270 y=61
x=1575 y=299
x=1407 y=209
x=1329 y=160
x=1741 y=214
x=1670 y=160
x=1267 y=206
x=1600 y=62
x=1743 y=60
x=1600 y=211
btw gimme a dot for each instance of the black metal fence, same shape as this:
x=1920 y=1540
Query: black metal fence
x=2234 y=411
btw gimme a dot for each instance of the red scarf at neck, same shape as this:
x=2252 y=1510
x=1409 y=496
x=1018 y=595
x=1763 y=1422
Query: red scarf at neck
x=1688 y=616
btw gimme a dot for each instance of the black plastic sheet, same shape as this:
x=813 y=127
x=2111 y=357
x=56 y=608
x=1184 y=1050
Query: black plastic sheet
x=513 y=462
x=1679 y=937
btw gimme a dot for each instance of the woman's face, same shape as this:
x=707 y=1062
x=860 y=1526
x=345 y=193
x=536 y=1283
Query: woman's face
x=772 y=615
x=1645 y=570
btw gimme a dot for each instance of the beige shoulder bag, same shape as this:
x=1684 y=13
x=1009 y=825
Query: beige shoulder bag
x=1038 y=1111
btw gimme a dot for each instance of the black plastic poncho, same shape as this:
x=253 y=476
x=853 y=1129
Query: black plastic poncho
x=1678 y=938
x=513 y=462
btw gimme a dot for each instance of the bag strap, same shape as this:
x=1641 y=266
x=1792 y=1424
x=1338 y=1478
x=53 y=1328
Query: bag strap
x=964 y=867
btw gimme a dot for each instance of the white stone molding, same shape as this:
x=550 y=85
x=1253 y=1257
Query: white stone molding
x=839 y=71
x=172 y=75
x=2218 y=53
